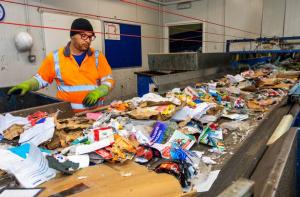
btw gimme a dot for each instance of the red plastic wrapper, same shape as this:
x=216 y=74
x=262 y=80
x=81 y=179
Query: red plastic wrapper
x=105 y=153
x=37 y=117
x=169 y=167
x=179 y=170
x=144 y=152
x=213 y=126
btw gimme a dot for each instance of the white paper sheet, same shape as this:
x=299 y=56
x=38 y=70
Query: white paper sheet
x=8 y=120
x=31 y=171
x=154 y=98
x=208 y=160
x=205 y=185
x=236 y=116
x=208 y=118
x=83 y=160
x=212 y=86
x=187 y=112
x=39 y=133
x=235 y=79
x=87 y=148
x=20 y=192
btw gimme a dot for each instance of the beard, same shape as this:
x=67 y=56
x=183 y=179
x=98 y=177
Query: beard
x=82 y=47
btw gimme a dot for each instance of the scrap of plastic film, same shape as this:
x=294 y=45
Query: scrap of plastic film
x=105 y=153
x=212 y=136
x=207 y=98
x=118 y=154
x=191 y=92
x=37 y=117
x=184 y=98
x=145 y=152
x=120 y=106
x=239 y=103
x=122 y=149
x=177 y=169
x=168 y=110
x=124 y=144
x=220 y=145
x=224 y=96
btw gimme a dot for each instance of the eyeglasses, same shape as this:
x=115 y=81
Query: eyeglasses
x=85 y=37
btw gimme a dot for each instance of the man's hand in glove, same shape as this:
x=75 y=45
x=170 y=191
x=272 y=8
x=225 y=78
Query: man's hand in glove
x=24 y=87
x=93 y=96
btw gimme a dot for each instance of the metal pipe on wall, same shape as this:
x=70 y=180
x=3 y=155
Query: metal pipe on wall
x=27 y=15
x=169 y=3
x=284 y=15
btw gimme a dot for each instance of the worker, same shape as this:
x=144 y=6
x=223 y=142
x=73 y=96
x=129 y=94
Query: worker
x=82 y=74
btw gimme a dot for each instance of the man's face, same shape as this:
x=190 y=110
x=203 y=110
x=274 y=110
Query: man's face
x=82 y=41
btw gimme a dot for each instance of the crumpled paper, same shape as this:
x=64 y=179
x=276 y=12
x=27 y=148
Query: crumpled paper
x=8 y=120
x=152 y=99
x=162 y=112
x=39 y=133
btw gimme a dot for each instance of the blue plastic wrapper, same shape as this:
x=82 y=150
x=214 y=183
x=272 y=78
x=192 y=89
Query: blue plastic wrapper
x=197 y=101
x=177 y=153
x=158 y=132
x=215 y=94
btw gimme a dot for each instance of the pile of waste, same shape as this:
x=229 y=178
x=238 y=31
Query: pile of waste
x=181 y=133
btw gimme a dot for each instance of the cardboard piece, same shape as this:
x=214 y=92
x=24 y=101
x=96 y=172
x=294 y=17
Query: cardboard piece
x=62 y=139
x=163 y=112
x=268 y=82
x=73 y=123
x=107 y=180
x=282 y=86
x=288 y=74
x=13 y=131
x=143 y=113
x=254 y=105
x=266 y=102
x=259 y=73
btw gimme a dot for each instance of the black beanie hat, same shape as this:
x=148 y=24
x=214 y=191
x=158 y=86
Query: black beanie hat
x=81 y=24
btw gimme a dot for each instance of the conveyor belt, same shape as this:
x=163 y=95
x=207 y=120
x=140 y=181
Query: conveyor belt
x=248 y=160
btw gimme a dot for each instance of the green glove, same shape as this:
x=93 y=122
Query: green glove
x=93 y=96
x=24 y=87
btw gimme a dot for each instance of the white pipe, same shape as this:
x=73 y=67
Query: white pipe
x=281 y=129
x=27 y=20
x=169 y=3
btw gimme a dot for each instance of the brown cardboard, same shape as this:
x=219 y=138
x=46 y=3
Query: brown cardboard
x=110 y=180
x=13 y=131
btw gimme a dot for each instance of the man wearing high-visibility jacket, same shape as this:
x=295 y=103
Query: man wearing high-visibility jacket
x=82 y=74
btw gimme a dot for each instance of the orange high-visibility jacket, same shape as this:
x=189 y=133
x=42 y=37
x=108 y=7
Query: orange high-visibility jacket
x=74 y=81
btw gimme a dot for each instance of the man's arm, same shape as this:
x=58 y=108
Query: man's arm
x=107 y=83
x=41 y=80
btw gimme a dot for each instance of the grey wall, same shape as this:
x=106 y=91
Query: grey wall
x=269 y=17
x=15 y=68
x=281 y=17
